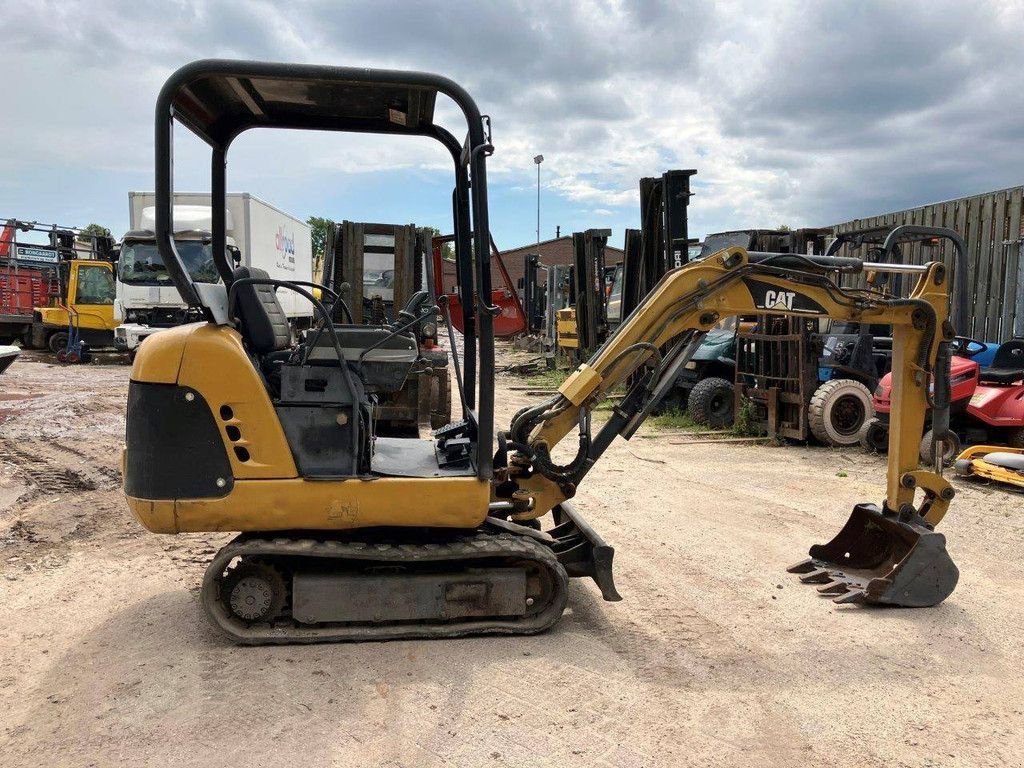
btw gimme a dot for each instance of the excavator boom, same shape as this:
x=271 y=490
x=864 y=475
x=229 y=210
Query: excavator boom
x=886 y=553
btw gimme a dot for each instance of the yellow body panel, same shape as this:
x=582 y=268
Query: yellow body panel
x=565 y=328
x=215 y=364
x=268 y=494
x=159 y=359
x=276 y=505
x=91 y=317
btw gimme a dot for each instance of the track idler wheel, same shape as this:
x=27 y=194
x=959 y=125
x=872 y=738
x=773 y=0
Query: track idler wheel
x=254 y=592
x=877 y=558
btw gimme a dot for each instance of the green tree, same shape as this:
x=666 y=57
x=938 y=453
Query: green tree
x=95 y=229
x=447 y=249
x=319 y=226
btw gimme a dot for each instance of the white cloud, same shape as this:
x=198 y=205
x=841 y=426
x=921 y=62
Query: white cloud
x=793 y=112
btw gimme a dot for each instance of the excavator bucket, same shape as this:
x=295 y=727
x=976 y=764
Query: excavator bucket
x=876 y=558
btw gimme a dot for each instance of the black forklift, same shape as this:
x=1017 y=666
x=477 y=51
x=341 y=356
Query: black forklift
x=379 y=269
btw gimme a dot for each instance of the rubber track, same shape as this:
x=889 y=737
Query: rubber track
x=502 y=546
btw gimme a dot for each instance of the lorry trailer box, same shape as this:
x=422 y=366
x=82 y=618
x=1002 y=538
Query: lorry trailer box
x=266 y=237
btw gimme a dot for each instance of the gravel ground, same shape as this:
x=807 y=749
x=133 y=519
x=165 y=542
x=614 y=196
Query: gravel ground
x=715 y=657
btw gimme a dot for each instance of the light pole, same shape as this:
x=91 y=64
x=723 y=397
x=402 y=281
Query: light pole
x=538 y=159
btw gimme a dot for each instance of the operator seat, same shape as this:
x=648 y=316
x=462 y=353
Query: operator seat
x=1008 y=364
x=261 y=319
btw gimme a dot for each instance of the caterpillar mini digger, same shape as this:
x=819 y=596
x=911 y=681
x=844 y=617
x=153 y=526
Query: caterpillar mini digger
x=345 y=535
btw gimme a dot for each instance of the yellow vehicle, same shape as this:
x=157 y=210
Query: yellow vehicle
x=87 y=290
x=992 y=462
x=347 y=535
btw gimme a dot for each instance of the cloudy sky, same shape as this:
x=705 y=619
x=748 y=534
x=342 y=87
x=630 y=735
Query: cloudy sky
x=798 y=113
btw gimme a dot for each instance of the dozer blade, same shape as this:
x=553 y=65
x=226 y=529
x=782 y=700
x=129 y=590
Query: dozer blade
x=877 y=559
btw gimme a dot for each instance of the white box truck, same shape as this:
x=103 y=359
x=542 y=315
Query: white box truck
x=259 y=234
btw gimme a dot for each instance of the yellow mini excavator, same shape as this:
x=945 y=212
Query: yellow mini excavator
x=346 y=535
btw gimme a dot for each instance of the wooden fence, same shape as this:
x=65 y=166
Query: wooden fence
x=992 y=225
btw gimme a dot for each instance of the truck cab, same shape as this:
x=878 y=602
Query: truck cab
x=146 y=299
x=86 y=301
x=257 y=235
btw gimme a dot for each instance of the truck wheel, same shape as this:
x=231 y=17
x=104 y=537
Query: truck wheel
x=57 y=342
x=874 y=436
x=838 y=411
x=712 y=403
x=952 y=449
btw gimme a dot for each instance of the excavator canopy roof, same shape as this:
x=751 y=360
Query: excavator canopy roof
x=218 y=99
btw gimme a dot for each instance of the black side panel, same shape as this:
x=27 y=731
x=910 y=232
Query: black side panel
x=175 y=450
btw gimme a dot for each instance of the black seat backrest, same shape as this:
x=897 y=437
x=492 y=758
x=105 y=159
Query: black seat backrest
x=262 y=321
x=1010 y=355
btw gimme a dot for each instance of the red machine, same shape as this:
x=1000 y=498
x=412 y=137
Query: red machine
x=24 y=285
x=987 y=403
x=510 y=321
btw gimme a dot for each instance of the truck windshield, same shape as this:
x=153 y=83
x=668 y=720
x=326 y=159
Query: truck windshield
x=95 y=285
x=140 y=263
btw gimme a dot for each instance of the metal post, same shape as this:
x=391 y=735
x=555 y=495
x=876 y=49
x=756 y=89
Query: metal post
x=538 y=159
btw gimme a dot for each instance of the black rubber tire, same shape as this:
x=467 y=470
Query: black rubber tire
x=712 y=403
x=58 y=341
x=838 y=410
x=874 y=436
x=952 y=450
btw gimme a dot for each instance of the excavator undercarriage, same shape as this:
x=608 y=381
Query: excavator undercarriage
x=351 y=535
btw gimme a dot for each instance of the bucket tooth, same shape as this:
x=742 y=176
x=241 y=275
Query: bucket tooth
x=834 y=588
x=804 y=566
x=853 y=596
x=817 y=576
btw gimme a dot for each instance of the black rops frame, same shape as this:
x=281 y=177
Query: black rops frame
x=891 y=238
x=219 y=99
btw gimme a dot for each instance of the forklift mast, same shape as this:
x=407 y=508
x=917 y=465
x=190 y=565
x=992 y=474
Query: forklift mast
x=662 y=242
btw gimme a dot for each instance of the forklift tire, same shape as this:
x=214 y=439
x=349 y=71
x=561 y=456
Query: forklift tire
x=838 y=411
x=950 y=454
x=62 y=356
x=874 y=436
x=712 y=402
x=57 y=342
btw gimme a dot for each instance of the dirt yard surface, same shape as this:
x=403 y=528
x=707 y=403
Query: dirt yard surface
x=715 y=657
